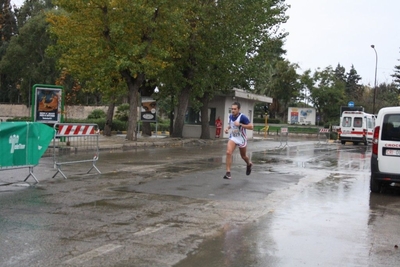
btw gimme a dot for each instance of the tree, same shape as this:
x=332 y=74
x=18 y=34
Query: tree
x=354 y=90
x=8 y=28
x=285 y=86
x=327 y=94
x=103 y=39
x=25 y=62
x=396 y=75
x=221 y=42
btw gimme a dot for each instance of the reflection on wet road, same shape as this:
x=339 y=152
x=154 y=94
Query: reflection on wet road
x=305 y=205
x=334 y=222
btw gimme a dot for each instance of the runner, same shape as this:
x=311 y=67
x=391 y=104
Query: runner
x=239 y=123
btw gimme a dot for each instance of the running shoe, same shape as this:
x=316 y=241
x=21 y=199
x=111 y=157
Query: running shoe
x=228 y=176
x=248 y=168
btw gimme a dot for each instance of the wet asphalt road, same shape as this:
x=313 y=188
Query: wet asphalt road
x=304 y=205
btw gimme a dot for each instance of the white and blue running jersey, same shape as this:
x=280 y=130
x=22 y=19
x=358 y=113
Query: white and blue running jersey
x=238 y=133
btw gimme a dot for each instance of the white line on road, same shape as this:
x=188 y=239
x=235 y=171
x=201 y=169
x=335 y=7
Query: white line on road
x=150 y=230
x=92 y=254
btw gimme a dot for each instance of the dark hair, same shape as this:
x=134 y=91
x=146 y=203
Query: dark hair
x=236 y=104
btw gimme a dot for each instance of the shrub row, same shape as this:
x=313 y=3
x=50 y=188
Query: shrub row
x=262 y=120
x=117 y=125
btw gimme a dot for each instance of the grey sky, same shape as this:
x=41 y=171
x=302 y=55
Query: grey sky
x=326 y=32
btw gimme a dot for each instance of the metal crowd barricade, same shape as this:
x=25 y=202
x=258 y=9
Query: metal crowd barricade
x=283 y=138
x=75 y=143
x=323 y=132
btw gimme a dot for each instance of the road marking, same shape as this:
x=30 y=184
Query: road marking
x=92 y=254
x=150 y=230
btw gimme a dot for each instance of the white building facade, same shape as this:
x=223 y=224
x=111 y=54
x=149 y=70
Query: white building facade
x=220 y=106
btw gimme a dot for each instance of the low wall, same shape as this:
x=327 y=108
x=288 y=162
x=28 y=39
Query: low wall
x=194 y=131
x=8 y=111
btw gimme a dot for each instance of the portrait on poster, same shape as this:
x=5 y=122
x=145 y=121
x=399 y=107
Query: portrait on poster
x=149 y=110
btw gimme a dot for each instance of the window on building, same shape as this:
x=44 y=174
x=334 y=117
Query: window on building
x=194 y=117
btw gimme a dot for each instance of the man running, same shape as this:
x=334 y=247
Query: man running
x=238 y=123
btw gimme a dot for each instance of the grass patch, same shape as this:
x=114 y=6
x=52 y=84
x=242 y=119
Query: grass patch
x=292 y=129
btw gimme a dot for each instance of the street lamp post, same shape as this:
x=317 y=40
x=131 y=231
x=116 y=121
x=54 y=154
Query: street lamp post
x=156 y=90
x=376 y=67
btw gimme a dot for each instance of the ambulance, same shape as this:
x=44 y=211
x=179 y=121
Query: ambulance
x=356 y=127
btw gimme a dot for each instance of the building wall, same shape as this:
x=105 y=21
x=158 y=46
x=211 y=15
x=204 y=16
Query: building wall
x=8 y=111
x=194 y=131
x=222 y=105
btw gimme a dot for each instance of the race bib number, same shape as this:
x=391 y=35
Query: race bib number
x=236 y=133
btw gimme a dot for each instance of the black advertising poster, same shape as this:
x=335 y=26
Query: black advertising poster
x=47 y=107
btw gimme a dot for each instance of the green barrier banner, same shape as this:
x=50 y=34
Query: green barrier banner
x=23 y=143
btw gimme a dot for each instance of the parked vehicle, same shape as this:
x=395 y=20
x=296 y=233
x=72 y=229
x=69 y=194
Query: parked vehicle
x=356 y=127
x=385 y=158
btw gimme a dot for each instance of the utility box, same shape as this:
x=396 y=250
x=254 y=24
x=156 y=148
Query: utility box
x=302 y=116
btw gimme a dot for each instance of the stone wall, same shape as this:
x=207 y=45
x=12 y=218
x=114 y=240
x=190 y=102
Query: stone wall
x=8 y=111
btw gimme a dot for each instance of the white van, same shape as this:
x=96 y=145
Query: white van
x=385 y=158
x=356 y=127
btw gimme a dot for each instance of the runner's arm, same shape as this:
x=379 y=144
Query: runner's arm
x=248 y=126
x=246 y=123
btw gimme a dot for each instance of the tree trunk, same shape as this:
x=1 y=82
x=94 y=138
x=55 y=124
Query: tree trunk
x=205 y=124
x=183 y=103
x=146 y=128
x=109 y=119
x=133 y=87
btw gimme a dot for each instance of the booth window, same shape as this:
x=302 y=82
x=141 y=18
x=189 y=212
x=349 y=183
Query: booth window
x=194 y=117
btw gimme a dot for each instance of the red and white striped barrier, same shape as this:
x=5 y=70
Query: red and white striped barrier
x=75 y=143
x=67 y=130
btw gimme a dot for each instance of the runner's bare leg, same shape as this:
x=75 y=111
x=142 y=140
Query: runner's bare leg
x=230 y=147
x=244 y=156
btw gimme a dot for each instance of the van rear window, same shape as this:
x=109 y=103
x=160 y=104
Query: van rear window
x=391 y=127
x=346 y=122
x=358 y=122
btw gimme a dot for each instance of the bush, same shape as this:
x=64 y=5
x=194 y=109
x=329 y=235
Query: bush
x=97 y=114
x=116 y=125
x=161 y=126
x=262 y=120
x=277 y=121
x=20 y=119
x=122 y=113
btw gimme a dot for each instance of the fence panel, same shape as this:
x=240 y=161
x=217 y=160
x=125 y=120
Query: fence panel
x=283 y=138
x=75 y=143
x=22 y=144
x=323 y=132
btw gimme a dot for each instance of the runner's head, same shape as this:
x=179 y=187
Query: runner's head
x=235 y=108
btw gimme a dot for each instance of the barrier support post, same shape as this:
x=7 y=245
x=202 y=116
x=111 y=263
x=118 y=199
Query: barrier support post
x=31 y=174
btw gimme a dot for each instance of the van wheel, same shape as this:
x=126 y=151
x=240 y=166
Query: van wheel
x=375 y=185
x=355 y=143
x=343 y=142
